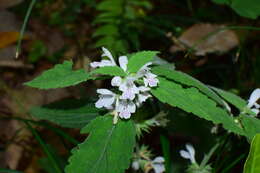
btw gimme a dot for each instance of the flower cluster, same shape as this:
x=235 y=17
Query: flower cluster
x=133 y=89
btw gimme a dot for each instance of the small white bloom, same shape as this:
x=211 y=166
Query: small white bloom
x=143 y=95
x=125 y=108
x=116 y=81
x=158 y=164
x=143 y=70
x=128 y=88
x=189 y=154
x=103 y=63
x=135 y=165
x=252 y=102
x=151 y=80
x=123 y=61
x=106 y=98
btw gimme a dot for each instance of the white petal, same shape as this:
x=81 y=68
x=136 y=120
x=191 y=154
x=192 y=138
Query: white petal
x=254 y=97
x=158 y=168
x=95 y=64
x=125 y=114
x=108 y=54
x=135 y=165
x=191 y=150
x=105 y=101
x=185 y=154
x=105 y=92
x=143 y=97
x=143 y=88
x=116 y=81
x=123 y=61
x=131 y=107
x=159 y=159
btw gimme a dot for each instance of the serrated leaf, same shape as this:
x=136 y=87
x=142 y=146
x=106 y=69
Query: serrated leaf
x=187 y=80
x=106 y=30
x=252 y=164
x=60 y=76
x=192 y=101
x=139 y=59
x=251 y=125
x=67 y=113
x=233 y=99
x=109 y=70
x=108 y=148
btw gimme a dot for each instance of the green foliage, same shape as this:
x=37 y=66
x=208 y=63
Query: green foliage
x=118 y=23
x=107 y=149
x=187 y=80
x=252 y=162
x=38 y=50
x=109 y=70
x=67 y=113
x=191 y=100
x=245 y=8
x=60 y=76
x=233 y=99
x=139 y=59
x=251 y=125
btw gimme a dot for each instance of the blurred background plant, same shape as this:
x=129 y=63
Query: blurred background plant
x=216 y=41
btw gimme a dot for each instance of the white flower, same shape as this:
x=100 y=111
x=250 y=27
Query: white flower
x=142 y=96
x=150 y=79
x=106 y=98
x=103 y=63
x=252 y=102
x=123 y=61
x=127 y=86
x=125 y=108
x=189 y=154
x=158 y=164
x=135 y=165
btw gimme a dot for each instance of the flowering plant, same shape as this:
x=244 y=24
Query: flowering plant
x=122 y=112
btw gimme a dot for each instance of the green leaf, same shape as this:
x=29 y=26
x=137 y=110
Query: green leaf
x=192 y=101
x=106 y=30
x=233 y=99
x=137 y=60
x=109 y=70
x=245 y=8
x=67 y=113
x=108 y=148
x=187 y=80
x=251 y=125
x=60 y=76
x=252 y=164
